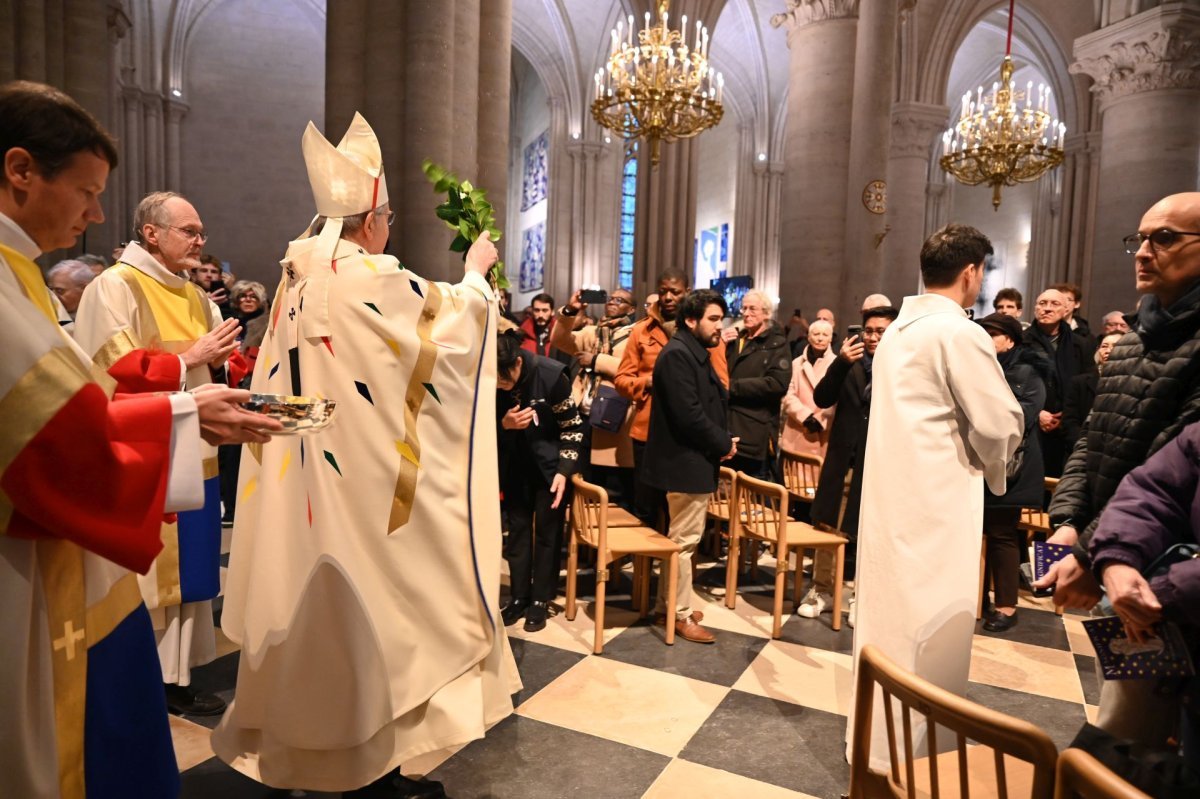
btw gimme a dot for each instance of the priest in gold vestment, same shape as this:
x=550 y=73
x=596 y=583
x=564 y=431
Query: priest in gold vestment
x=364 y=574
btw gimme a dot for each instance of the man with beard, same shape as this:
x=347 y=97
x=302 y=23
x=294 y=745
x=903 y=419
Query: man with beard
x=635 y=380
x=538 y=328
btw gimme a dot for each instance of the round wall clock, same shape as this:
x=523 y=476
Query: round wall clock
x=875 y=196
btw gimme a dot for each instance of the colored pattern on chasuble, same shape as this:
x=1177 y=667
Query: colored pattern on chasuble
x=410 y=447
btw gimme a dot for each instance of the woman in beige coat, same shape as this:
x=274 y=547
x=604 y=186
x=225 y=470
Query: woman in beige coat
x=805 y=426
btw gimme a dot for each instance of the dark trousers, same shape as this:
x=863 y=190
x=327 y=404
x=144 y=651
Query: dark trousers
x=535 y=536
x=649 y=503
x=617 y=481
x=229 y=460
x=1003 y=553
x=762 y=468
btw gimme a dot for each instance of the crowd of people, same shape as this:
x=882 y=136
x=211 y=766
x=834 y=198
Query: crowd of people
x=934 y=431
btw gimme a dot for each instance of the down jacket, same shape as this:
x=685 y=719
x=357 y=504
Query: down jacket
x=1150 y=390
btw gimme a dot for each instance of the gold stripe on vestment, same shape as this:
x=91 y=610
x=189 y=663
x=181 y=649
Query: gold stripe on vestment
x=166 y=587
x=60 y=564
x=120 y=344
x=104 y=616
x=36 y=397
x=414 y=396
x=209 y=465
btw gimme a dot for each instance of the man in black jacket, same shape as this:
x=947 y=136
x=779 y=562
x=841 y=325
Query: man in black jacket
x=760 y=369
x=1070 y=355
x=1149 y=391
x=688 y=439
x=846 y=384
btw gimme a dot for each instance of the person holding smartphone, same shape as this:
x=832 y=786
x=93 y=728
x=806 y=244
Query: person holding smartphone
x=539 y=435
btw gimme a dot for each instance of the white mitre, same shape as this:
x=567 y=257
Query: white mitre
x=346 y=180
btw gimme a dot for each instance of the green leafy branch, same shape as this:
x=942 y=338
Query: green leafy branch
x=468 y=213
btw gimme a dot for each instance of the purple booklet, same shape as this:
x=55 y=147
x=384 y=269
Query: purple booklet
x=1164 y=655
x=1045 y=554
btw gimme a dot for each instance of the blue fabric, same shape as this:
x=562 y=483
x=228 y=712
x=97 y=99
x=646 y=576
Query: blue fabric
x=200 y=546
x=126 y=738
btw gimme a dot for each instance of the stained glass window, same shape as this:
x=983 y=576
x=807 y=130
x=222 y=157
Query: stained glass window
x=628 y=211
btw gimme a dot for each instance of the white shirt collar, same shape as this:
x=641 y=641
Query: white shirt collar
x=136 y=256
x=11 y=235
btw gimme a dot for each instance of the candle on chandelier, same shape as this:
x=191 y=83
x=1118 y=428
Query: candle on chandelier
x=945 y=144
x=1049 y=91
x=1062 y=132
x=630 y=34
x=720 y=86
x=1028 y=93
x=698 y=27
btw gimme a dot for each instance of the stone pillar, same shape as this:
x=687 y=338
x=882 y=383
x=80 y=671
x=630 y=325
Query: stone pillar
x=666 y=213
x=821 y=37
x=756 y=216
x=428 y=75
x=915 y=128
x=1146 y=73
x=176 y=111
x=586 y=213
x=874 y=79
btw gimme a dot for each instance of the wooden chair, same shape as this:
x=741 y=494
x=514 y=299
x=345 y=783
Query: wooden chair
x=998 y=736
x=801 y=473
x=590 y=527
x=719 y=504
x=1081 y=775
x=1036 y=520
x=761 y=516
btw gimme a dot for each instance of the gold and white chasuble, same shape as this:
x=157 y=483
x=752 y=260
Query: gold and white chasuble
x=364 y=577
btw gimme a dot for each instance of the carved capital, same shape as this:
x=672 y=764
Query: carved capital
x=118 y=20
x=1157 y=49
x=915 y=127
x=806 y=12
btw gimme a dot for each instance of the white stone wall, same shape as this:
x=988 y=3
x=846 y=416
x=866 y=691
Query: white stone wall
x=254 y=77
x=717 y=187
x=530 y=119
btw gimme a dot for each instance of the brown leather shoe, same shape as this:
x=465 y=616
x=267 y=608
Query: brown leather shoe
x=691 y=631
x=661 y=618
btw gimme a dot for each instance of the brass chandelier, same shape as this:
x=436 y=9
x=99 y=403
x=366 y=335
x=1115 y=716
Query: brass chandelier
x=658 y=88
x=1000 y=141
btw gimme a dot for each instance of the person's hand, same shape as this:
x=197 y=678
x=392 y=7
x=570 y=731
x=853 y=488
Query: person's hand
x=853 y=349
x=575 y=302
x=729 y=334
x=557 y=487
x=219 y=295
x=214 y=346
x=518 y=418
x=1132 y=600
x=482 y=254
x=732 y=448
x=1049 y=421
x=224 y=421
x=1066 y=536
x=1074 y=586
x=586 y=359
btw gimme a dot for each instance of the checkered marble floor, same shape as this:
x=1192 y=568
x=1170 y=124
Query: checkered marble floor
x=746 y=716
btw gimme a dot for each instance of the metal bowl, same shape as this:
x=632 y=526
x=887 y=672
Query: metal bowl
x=298 y=415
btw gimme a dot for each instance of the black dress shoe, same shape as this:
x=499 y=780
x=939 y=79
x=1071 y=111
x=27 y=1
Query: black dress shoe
x=998 y=622
x=513 y=611
x=535 y=617
x=187 y=701
x=395 y=785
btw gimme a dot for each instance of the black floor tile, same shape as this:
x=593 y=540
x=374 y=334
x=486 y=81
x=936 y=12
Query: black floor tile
x=722 y=662
x=1037 y=627
x=213 y=778
x=789 y=745
x=1061 y=720
x=1088 y=678
x=539 y=666
x=530 y=759
x=218 y=677
x=818 y=633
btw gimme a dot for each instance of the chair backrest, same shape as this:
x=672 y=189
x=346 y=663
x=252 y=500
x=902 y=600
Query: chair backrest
x=1081 y=775
x=721 y=500
x=761 y=508
x=801 y=473
x=589 y=513
x=1003 y=734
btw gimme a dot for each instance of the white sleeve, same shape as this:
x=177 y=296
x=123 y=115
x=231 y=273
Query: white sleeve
x=182 y=373
x=185 y=479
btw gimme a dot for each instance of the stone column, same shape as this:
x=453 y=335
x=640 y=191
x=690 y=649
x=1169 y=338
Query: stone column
x=756 y=216
x=821 y=37
x=584 y=265
x=1146 y=73
x=175 y=112
x=432 y=77
x=915 y=128
x=874 y=79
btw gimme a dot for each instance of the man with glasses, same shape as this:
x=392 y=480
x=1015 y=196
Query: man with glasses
x=1149 y=391
x=147 y=302
x=1070 y=355
x=598 y=348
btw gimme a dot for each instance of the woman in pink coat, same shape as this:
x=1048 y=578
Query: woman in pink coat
x=805 y=426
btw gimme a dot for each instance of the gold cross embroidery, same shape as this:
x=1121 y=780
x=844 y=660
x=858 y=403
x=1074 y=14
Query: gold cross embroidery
x=67 y=642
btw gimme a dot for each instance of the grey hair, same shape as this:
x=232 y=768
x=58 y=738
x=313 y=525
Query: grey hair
x=767 y=303
x=822 y=323
x=80 y=273
x=350 y=224
x=253 y=286
x=1111 y=314
x=94 y=260
x=151 y=211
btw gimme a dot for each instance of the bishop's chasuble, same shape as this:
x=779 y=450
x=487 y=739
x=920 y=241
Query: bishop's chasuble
x=83 y=482
x=364 y=577
x=135 y=319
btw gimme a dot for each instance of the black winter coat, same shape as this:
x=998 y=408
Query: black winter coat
x=688 y=434
x=844 y=384
x=760 y=370
x=552 y=445
x=1150 y=390
x=1027 y=372
x=1081 y=393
